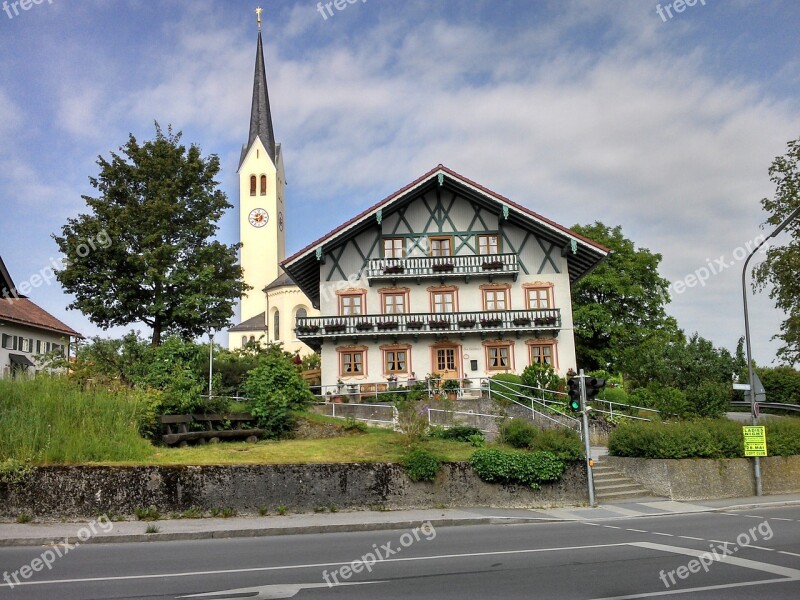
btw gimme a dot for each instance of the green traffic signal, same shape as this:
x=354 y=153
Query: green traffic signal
x=574 y=402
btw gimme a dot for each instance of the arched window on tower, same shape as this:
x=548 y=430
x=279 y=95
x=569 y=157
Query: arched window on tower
x=301 y=313
x=244 y=341
x=252 y=185
x=263 y=185
x=276 y=326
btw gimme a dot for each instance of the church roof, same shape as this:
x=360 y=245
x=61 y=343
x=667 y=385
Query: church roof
x=260 y=113
x=282 y=281
x=7 y=287
x=304 y=265
x=257 y=323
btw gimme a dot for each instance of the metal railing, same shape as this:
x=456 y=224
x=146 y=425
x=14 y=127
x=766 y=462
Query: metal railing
x=544 y=319
x=489 y=265
x=511 y=392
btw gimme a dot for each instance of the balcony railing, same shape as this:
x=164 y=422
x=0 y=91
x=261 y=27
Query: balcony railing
x=440 y=267
x=414 y=324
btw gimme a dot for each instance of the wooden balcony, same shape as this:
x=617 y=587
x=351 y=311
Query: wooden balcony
x=488 y=266
x=313 y=330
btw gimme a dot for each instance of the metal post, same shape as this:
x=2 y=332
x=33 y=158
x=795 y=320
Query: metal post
x=210 y=362
x=586 y=444
x=750 y=370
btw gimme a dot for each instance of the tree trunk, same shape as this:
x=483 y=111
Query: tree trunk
x=156 y=341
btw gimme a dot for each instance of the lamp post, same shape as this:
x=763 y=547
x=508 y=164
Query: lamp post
x=210 y=361
x=750 y=370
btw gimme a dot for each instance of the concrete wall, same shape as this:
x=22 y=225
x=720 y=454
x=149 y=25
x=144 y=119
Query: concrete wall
x=704 y=479
x=65 y=492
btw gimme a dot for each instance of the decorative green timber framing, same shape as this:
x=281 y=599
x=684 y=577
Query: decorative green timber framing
x=379 y=216
x=335 y=266
x=512 y=250
x=440 y=178
x=320 y=256
x=547 y=257
x=505 y=212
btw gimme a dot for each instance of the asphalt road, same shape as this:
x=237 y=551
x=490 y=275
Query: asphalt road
x=731 y=555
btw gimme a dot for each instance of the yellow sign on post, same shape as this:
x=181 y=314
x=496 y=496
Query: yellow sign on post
x=755 y=440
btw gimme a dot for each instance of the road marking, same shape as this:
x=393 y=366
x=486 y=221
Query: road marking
x=731 y=560
x=274 y=592
x=706 y=588
x=788 y=553
x=688 y=537
x=638 y=530
x=305 y=566
x=779 y=519
x=664 y=534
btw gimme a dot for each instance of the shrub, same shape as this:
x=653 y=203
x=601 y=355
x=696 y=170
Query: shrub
x=421 y=465
x=709 y=399
x=783 y=437
x=543 y=376
x=275 y=389
x=564 y=443
x=692 y=439
x=412 y=420
x=523 y=468
x=459 y=433
x=781 y=384
x=669 y=401
x=518 y=433
x=505 y=387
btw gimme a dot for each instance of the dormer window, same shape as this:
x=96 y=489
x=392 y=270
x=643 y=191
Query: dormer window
x=252 y=185
x=263 y=185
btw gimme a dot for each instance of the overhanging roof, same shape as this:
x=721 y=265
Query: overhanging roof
x=304 y=265
x=21 y=360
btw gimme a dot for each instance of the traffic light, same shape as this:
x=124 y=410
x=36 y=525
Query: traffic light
x=574 y=401
x=593 y=387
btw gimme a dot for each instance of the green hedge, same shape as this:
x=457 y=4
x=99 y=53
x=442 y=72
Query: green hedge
x=717 y=438
x=421 y=465
x=511 y=467
x=563 y=443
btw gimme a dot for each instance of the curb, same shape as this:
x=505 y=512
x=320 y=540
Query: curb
x=355 y=527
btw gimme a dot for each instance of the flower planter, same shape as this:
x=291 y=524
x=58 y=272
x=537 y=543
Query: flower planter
x=439 y=324
x=337 y=328
x=387 y=325
x=364 y=326
x=442 y=268
x=393 y=270
x=522 y=321
x=308 y=329
x=414 y=324
x=492 y=265
x=467 y=323
x=491 y=322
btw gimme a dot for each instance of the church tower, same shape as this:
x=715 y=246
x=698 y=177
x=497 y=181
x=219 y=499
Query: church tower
x=270 y=308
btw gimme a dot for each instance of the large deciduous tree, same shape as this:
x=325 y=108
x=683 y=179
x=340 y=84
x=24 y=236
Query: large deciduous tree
x=782 y=265
x=619 y=304
x=145 y=252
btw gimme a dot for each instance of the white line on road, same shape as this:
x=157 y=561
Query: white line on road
x=688 y=537
x=696 y=589
x=307 y=566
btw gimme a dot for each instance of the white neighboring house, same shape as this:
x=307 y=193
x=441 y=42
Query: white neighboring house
x=27 y=330
x=444 y=276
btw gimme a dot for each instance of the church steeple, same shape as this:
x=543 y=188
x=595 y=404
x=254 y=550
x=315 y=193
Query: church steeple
x=260 y=113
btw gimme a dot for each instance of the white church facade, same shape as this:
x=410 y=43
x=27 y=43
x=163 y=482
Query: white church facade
x=270 y=309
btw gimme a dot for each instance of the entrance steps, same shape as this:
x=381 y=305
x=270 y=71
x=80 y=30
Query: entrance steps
x=611 y=486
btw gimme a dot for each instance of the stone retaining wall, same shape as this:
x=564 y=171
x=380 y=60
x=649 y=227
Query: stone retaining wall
x=82 y=491
x=707 y=479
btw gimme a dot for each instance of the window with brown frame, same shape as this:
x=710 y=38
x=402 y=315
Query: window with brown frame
x=499 y=357
x=252 y=185
x=444 y=359
x=395 y=361
x=543 y=353
x=488 y=244
x=351 y=304
x=539 y=297
x=394 y=303
x=495 y=299
x=441 y=246
x=351 y=363
x=263 y=185
x=443 y=302
x=393 y=248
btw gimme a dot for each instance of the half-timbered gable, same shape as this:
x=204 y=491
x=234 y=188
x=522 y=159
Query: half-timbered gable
x=442 y=276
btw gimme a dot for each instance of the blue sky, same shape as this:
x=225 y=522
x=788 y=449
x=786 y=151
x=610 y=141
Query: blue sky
x=582 y=110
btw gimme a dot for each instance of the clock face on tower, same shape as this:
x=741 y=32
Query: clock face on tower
x=258 y=217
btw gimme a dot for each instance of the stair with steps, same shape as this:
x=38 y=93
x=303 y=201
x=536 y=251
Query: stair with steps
x=611 y=486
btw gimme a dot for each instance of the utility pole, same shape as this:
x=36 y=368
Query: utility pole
x=750 y=370
x=586 y=444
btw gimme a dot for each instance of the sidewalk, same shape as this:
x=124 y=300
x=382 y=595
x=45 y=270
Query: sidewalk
x=38 y=534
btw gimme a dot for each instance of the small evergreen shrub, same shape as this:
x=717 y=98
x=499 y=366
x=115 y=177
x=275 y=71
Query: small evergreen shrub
x=566 y=444
x=783 y=437
x=421 y=465
x=459 y=433
x=518 y=433
x=709 y=399
x=523 y=468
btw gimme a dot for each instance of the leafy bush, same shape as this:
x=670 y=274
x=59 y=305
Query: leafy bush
x=459 y=433
x=505 y=387
x=412 y=420
x=275 y=389
x=421 y=465
x=781 y=384
x=709 y=399
x=564 y=443
x=518 y=433
x=691 y=439
x=669 y=401
x=543 y=376
x=783 y=437
x=523 y=468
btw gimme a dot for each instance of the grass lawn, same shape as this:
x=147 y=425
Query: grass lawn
x=375 y=446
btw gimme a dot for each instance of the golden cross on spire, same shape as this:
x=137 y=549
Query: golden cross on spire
x=259 y=10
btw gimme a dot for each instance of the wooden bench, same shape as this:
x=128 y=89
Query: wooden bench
x=176 y=428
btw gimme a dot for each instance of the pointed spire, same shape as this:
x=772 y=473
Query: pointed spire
x=260 y=114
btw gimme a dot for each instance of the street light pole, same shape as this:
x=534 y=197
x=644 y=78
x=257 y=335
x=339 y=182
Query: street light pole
x=210 y=361
x=750 y=370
